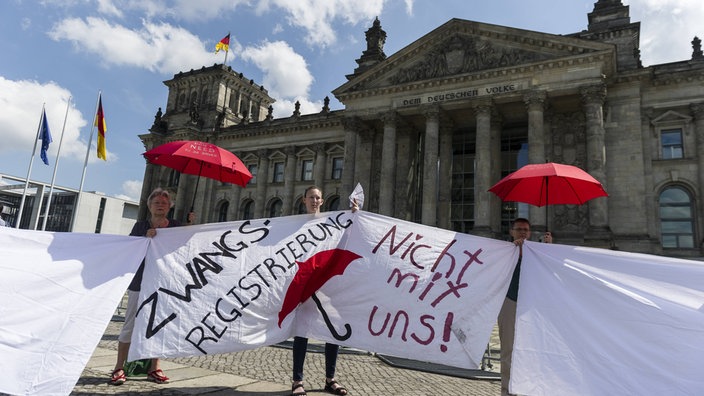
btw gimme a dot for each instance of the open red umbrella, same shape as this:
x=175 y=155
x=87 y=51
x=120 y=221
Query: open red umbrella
x=549 y=184
x=311 y=276
x=202 y=159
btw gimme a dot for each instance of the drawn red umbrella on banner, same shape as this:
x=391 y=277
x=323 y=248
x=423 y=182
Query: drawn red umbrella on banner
x=311 y=276
x=198 y=158
x=549 y=184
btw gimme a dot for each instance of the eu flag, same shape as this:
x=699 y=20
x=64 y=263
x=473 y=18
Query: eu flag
x=45 y=136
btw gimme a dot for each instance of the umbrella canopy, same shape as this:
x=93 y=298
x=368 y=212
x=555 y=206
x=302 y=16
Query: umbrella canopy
x=311 y=276
x=194 y=157
x=201 y=159
x=549 y=184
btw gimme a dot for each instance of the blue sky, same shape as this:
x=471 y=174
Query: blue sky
x=297 y=49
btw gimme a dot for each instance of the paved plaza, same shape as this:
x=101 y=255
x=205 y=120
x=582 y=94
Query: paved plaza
x=267 y=371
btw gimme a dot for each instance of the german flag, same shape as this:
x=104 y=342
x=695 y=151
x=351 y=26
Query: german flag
x=223 y=44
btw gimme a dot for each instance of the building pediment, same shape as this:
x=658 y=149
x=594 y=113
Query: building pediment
x=466 y=48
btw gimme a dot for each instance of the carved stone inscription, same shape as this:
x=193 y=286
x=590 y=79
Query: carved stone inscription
x=461 y=93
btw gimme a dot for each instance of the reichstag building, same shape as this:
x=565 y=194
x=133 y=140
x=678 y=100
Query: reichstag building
x=429 y=129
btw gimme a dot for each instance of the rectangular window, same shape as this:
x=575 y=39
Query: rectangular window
x=307 y=170
x=278 y=172
x=337 y=163
x=253 y=170
x=671 y=140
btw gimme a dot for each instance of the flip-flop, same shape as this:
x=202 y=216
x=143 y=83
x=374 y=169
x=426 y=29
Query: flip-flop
x=118 y=379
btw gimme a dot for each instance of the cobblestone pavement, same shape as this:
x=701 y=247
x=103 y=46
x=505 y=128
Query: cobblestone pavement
x=267 y=371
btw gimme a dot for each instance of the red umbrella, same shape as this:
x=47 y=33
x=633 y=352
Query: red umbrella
x=311 y=276
x=202 y=159
x=549 y=184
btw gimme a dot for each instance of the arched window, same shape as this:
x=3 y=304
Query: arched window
x=222 y=213
x=676 y=218
x=275 y=209
x=334 y=203
x=248 y=210
x=174 y=178
x=302 y=206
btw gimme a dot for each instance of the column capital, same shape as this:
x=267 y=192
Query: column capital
x=697 y=110
x=483 y=107
x=263 y=153
x=354 y=124
x=432 y=112
x=390 y=118
x=318 y=147
x=290 y=150
x=593 y=94
x=535 y=99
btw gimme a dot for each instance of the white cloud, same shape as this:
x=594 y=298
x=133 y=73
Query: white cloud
x=158 y=47
x=109 y=8
x=131 y=190
x=317 y=16
x=285 y=107
x=21 y=102
x=667 y=28
x=188 y=10
x=286 y=73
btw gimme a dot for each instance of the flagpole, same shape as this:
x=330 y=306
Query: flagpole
x=85 y=163
x=56 y=166
x=29 y=170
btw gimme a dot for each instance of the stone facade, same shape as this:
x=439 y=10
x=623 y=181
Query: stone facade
x=429 y=129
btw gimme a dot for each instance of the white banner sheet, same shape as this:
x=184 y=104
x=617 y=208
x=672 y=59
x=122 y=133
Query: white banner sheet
x=355 y=279
x=58 y=293
x=603 y=322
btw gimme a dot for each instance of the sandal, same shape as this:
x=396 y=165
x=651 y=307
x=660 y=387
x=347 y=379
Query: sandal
x=301 y=392
x=339 y=390
x=118 y=379
x=158 y=376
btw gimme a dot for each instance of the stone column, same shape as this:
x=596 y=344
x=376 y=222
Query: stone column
x=496 y=165
x=262 y=181
x=347 y=183
x=482 y=170
x=430 y=166
x=233 y=211
x=387 y=182
x=535 y=104
x=445 y=174
x=147 y=187
x=289 y=180
x=320 y=164
x=698 y=112
x=593 y=101
x=186 y=187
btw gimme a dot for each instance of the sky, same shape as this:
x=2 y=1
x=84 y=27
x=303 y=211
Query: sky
x=61 y=53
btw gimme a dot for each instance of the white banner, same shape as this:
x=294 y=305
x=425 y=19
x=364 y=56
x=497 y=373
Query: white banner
x=590 y=321
x=58 y=293
x=602 y=322
x=382 y=285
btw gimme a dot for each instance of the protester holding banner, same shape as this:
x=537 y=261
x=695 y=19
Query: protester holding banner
x=313 y=198
x=520 y=232
x=159 y=203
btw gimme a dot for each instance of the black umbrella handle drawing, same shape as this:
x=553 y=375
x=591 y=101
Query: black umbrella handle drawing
x=326 y=318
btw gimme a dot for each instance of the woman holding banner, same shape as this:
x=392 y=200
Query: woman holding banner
x=159 y=203
x=313 y=198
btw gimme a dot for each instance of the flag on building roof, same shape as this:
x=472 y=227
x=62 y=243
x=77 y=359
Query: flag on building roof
x=102 y=128
x=45 y=136
x=223 y=44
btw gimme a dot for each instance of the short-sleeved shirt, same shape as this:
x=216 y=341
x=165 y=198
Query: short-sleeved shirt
x=140 y=229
